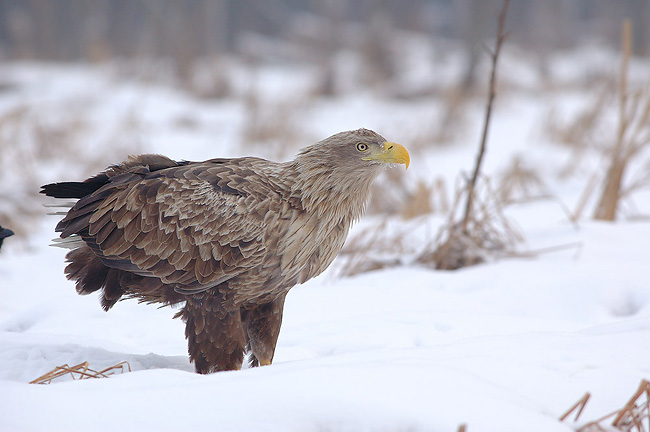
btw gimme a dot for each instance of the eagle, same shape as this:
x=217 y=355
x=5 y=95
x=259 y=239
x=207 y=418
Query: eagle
x=224 y=239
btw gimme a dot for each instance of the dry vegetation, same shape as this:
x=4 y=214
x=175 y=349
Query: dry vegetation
x=483 y=229
x=632 y=137
x=395 y=193
x=583 y=132
x=39 y=144
x=447 y=127
x=27 y=142
x=486 y=233
x=426 y=198
x=272 y=128
x=588 y=132
x=81 y=371
x=483 y=232
x=520 y=181
x=634 y=416
x=374 y=248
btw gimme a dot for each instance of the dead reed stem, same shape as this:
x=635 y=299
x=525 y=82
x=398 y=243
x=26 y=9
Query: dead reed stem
x=579 y=405
x=586 y=194
x=488 y=112
x=606 y=209
x=632 y=417
x=626 y=415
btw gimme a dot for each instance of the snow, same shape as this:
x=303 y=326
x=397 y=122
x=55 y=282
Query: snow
x=504 y=346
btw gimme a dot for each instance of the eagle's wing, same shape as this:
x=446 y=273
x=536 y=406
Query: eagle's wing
x=192 y=226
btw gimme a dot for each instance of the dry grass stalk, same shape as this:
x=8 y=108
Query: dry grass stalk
x=583 y=131
x=633 y=135
x=207 y=79
x=81 y=371
x=27 y=142
x=579 y=405
x=374 y=248
x=419 y=202
x=381 y=246
x=577 y=246
x=488 y=233
x=389 y=193
x=584 y=197
x=634 y=416
x=443 y=201
x=392 y=194
x=635 y=412
x=520 y=182
x=578 y=133
x=272 y=125
x=446 y=127
x=33 y=136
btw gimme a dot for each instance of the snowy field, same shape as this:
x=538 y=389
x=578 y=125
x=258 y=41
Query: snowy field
x=504 y=346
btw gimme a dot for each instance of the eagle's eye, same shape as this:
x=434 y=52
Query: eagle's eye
x=362 y=147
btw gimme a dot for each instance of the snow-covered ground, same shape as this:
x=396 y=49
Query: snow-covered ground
x=504 y=346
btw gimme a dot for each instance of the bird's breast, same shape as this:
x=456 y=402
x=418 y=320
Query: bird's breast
x=310 y=245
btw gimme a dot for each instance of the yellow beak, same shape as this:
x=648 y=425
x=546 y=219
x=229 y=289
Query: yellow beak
x=391 y=153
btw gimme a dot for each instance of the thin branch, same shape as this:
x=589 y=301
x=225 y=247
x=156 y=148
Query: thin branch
x=501 y=35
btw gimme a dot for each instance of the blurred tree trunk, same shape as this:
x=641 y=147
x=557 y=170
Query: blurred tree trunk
x=376 y=47
x=638 y=11
x=94 y=32
x=216 y=27
x=333 y=13
x=476 y=19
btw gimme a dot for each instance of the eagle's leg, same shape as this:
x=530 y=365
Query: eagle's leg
x=215 y=337
x=262 y=326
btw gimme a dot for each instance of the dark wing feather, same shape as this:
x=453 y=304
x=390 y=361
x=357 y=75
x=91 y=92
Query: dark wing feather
x=143 y=163
x=193 y=226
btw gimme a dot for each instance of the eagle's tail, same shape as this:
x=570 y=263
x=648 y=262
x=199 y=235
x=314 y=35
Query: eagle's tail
x=87 y=267
x=90 y=274
x=135 y=164
x=75 y=189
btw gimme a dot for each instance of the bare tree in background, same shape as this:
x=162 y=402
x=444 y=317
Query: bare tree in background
x=475 y=24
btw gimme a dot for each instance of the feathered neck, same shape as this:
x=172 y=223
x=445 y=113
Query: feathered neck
x=330 y=188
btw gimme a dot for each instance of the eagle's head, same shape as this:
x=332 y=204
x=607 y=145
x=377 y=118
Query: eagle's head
x=339 y=170
x=360 y=149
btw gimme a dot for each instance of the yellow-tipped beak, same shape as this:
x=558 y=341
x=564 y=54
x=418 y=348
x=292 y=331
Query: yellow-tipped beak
x=391 y=153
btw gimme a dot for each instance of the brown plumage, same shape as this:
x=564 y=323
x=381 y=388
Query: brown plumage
x=227 y=237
